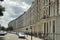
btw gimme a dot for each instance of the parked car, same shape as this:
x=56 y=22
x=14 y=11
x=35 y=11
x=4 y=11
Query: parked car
x=21 y=34
x=5 y=32
x=2 y=32
x=12 y=32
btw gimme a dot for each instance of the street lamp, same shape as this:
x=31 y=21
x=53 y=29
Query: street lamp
x=31 y=31
x=27 y=31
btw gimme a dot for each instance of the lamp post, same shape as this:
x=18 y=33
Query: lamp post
x=27 y=31
x=31 y=31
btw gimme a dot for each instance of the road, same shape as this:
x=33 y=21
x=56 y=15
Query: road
x=10 y=37
x=15 y=37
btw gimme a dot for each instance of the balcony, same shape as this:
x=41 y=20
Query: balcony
x=45 y=16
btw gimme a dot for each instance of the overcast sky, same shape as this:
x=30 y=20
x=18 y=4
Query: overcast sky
x=13 y=9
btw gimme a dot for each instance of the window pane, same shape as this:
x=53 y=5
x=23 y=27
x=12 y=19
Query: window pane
x=54 y=26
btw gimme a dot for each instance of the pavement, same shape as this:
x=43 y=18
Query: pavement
x=10 y=37
x=33 y=38
x=15 y=37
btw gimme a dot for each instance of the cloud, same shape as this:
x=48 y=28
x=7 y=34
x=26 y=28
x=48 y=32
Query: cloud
x=27 y=1
x=17 y=9
x=25 y=6
x=13 y=9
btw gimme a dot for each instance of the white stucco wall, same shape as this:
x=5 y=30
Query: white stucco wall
x=58 y=28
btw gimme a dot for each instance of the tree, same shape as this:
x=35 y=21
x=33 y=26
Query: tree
x=2 y=28
x=10 y=28
x=1 y=0
x=1 y=10
x=7 y=29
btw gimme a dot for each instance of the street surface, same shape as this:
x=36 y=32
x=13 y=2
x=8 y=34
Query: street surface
x=10 y=37
x=33 y=38
x=15 y=37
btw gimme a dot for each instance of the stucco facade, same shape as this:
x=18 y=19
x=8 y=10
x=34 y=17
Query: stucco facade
x=12 y=24
x=44 y=16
